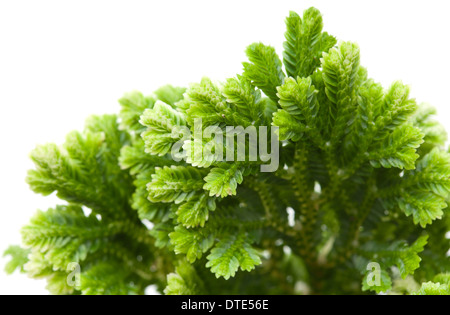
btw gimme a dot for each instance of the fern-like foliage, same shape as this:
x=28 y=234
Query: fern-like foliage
x=358 y=203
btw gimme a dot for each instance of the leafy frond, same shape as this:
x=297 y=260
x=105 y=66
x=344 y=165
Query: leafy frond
x=175 y=184
x=405 y=257
x=184 y=282
x=241 y=94
x=398 y=149
x=192 y=243
x=170 y=94
x=369 y=99
x=19 y=257
x=223 y=180
x=289 y=127
x=206 y=151
x=77 y=170
x=206 y=103
x=424 y=191
x=264 y=69
x=305 y=43
x=434 y=133
x=133 y=105
x=232 y=253
x=340 y=70
x=431 y=288
x=385 y=282
x=341 y=76
x=163 y=128
x=195 y=211
x=108 y=278
x=395 y=110
x=298 y=99
x=147 y=210
x=39 y=268
x=134 y=158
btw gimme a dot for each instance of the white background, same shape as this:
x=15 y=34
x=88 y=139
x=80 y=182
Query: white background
x=61 y=61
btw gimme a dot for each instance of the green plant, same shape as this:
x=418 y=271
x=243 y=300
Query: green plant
x=357 y=204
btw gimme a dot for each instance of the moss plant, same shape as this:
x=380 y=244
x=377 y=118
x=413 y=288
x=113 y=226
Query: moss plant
x=357 y=204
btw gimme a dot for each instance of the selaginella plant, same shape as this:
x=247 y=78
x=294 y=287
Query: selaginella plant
x=356 y=205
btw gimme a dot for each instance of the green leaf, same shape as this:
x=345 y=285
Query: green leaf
x=370 y=97
x=289 y=127
x=38 y=267
x=340 y=74
x=409 y=259
x=423 y=206
x=163 y=128
x=231 y=253
x=423 y=118
x=208 y=104
x=431 y=288
x=175 y=183
x=442 y=278
x=195 y=211
x=405 y=257
x=86 y=169
x=185 y=281
x=305 y=43
x=193 y=243
x=133 y=105
x=325 y=117
x=134 y=158
x=398 y=149
x=147 y=210
x=298 y=98
x=108 y=278
x=223 y=180
x=424 y=191
x=385 y=284
x=161 y=233
x=264 y=69
x=205 y=152
x=396 y=109
x=170 y=94
x=241 y=94
x=353 y=159
x=66 y=235
x=19 y=257
x=268 y=108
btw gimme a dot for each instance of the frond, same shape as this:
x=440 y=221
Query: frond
x=264 y=69
x=163 y=128
x=398 y=149
x=133 y=105
x=230 y=254
x=192 y=243
x=424 y=191
x=305 y=43
x=19 y=257
x=185 y=281
x=223 y=180
x=241 y=94
x=405 y=257
x=170 y=94
x=175 y=184
x=340 y=75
